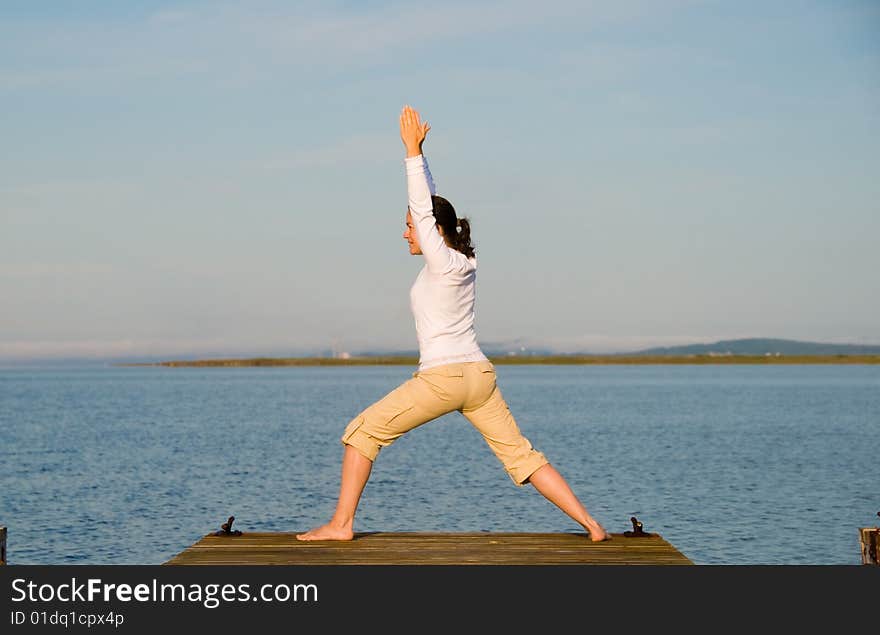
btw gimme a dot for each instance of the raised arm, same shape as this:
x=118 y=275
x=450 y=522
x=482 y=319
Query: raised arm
x=420 y=187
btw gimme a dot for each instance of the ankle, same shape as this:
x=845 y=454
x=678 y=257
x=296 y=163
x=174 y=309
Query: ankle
x=341 y=523
x=591 y=525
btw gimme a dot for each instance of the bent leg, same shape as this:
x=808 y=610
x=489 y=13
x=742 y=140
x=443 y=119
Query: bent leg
x=355 y=473
x=406 y=407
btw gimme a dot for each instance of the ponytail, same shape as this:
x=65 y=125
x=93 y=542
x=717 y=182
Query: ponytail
x=457 y=230
x=462 y=240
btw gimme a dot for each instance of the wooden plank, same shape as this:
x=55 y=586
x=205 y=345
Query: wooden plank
x=869 y=540
x=419 y=548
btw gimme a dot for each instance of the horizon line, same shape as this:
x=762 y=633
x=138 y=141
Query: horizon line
x=329 y=352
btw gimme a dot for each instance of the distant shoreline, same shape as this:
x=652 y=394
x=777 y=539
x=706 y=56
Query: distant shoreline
x=524 y=360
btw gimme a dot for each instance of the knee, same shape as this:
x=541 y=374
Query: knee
x=521 y=468
x=360 y=439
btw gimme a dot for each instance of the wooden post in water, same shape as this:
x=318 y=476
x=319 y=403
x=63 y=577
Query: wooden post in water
x=869 y=537
x=2 y=545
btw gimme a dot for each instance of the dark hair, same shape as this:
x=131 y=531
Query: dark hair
x=457 y=230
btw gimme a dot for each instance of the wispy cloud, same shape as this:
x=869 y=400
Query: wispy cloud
x=46 y=349
x=69 y=188
x=127 y=348
x=167 y=16
x=234 y=40
x=23 y=271
x=358 y=149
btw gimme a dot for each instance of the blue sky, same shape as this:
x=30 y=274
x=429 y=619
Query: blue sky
x=226 y=178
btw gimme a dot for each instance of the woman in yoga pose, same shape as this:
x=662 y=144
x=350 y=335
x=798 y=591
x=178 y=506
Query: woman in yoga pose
x=453 y=372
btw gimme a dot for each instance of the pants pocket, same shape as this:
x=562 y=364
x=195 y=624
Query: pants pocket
x=377 y=423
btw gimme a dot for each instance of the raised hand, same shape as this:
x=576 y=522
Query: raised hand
x=412 y=131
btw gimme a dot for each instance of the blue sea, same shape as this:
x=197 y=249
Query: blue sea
x=732 y=464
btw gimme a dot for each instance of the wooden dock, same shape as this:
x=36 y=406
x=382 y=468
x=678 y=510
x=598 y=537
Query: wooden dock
x=426 y=548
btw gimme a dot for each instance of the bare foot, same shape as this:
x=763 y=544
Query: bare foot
x=327 y=532
x=598 y=533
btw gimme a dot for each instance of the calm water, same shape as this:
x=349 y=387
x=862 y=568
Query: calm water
x=731 y=464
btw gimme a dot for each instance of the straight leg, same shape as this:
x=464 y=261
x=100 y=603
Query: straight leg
x=524 y=464
x=549 y=482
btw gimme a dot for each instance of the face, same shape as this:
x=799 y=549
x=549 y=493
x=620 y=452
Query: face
x=411 y=237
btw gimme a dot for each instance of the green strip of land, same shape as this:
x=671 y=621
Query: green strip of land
x=529 y=359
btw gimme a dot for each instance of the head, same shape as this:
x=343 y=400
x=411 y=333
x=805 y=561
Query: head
x=455 y=231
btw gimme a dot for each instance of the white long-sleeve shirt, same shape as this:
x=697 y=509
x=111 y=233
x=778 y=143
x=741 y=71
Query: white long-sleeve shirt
x=442 y=297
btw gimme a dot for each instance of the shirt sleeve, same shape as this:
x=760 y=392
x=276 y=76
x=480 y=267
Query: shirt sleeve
x=420 y=187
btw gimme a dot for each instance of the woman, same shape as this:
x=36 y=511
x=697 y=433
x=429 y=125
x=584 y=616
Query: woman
x=453 y=374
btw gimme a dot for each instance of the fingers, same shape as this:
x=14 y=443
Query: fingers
x=411 y=125
x=410 y=116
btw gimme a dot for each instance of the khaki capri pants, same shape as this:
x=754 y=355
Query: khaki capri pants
x=468 y=387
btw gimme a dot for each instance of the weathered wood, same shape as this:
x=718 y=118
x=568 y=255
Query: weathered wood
x=424 y=548
x=869 y=538
x=2 y=545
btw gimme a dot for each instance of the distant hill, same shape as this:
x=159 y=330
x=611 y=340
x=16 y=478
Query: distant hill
x=745 y=347
x=763 y=346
